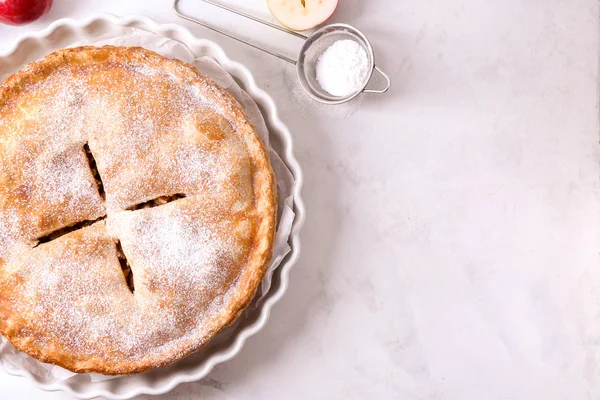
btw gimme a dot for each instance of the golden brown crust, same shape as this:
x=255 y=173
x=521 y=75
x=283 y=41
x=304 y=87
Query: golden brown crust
x=245 y=229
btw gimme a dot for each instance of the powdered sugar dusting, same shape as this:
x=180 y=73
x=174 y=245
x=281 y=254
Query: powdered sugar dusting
x=151 y=136
x=178 y=243
x=89 y=310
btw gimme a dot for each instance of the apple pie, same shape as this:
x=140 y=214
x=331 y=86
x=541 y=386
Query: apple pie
x=137 y=209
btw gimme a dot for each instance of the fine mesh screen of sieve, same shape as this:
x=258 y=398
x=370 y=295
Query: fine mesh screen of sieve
x=312 y=49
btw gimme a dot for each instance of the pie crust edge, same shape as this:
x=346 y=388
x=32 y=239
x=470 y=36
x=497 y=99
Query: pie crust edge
x=265 y=196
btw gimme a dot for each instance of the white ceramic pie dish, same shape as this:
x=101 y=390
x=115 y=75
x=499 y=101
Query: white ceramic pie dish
x=63 y=33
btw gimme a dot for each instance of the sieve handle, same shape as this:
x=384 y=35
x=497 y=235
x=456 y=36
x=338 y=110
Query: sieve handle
x=245 y=15
x=387 y=86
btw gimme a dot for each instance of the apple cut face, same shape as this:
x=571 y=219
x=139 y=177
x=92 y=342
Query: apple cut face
x=301 y=15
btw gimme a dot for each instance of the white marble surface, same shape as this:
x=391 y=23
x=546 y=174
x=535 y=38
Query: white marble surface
x=451 y=245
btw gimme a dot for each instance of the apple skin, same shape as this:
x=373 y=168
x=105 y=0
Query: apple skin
x=301 y=15
x=19 y=12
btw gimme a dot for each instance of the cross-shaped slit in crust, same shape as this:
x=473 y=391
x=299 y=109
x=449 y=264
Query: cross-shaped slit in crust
x=67 y=229
x=159 y=201
x=125 y=267
x=94 y=169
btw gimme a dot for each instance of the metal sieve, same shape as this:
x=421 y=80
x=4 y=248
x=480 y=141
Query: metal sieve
x=314 y=45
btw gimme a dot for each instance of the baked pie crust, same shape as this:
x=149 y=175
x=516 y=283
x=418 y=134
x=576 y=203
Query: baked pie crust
x=117 y=161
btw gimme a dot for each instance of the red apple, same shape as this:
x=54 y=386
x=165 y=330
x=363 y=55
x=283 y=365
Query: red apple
x=301 y=15
x=18 y=12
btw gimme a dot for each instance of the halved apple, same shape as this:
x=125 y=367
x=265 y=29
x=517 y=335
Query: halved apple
x=301 y=15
